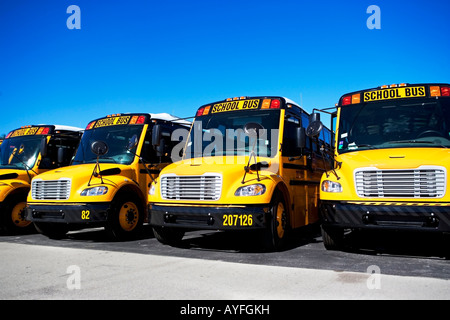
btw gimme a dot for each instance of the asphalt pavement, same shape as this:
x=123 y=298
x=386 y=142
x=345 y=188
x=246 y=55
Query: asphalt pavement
x=219 y=265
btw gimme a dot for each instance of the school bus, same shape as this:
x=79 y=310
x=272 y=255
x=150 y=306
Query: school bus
x=247 y=164
x=24 y=153
x=106 y=184
x=391 y=162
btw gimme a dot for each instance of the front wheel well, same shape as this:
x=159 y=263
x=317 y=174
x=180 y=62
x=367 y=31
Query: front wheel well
x=132 y=192
x=284 y=191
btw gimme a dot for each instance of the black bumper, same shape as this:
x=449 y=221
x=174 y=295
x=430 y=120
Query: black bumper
x=217 y=218
x=399 y=216
x=86 y=213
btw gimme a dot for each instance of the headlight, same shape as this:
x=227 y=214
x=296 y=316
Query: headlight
x=95 y=191
x=331 y=186
x=251 y=190
x=152 y=189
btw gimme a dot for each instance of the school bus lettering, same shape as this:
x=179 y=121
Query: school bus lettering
x=112 y=121
x=235 y=105
x=24 y=132
x=394 y=93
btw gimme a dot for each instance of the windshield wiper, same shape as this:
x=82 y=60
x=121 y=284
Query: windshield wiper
x=410 y=141
x=362 y=145
x=417 y=141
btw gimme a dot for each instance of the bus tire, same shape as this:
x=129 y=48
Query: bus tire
x=332 y=237
x=169 y=236
x=13 y=216
x=125 y=217
x=51 y=230
x=275 y=233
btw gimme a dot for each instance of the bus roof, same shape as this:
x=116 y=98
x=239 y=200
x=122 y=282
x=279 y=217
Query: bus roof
x=41 y=129
x=66 y=128
x=396 y=91
x=168 y=117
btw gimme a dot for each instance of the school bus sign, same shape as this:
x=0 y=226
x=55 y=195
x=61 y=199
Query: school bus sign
x=394 y=93
x=235 y=105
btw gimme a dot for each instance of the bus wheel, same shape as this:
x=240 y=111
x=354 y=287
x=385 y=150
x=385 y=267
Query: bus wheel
x=332 y=237
x=275 y=234
x=167 y=235
x=13 y=219
x=52 y=230
x=126 y=218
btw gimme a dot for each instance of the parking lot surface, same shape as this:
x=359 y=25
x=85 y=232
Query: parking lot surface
x=221 y=265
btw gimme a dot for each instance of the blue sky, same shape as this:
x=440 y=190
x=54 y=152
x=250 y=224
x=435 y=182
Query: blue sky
x=173 y=56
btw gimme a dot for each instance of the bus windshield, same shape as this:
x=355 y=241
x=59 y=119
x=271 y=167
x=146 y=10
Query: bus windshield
x=417 y=123
x=20 y=152
x=229 y=134
x=116 y=137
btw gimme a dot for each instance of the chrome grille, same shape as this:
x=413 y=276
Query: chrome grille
x=50 y=189
x=424 y=182
x=204 y=187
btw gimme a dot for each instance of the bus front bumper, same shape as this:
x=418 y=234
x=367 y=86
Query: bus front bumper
x=204 y=217
x=85 y=213
x=396 y=216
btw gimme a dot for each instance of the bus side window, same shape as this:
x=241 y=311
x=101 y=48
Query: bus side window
x=290 y=125
x=149 y=154
x=64 y=146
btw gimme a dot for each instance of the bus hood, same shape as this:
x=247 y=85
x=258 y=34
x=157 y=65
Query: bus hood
x=79 y=176
x=221 y=177
x=8 y=176
x=401 y=158
x=11 y=179
x=232 y=170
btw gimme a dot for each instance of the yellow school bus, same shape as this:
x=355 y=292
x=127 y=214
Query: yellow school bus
x=247 y=164
x=25 y=153
x=391 y=162
x=107 y=181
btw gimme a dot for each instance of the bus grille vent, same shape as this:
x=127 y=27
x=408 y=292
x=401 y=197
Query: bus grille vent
x=429 y=182
x=204 y=187
x=50 y=189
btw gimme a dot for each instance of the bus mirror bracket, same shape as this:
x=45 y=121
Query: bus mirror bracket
x=99 y=148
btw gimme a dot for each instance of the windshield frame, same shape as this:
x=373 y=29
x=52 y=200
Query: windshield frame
x=346 y=138
x=114 y=157
x=268 y=141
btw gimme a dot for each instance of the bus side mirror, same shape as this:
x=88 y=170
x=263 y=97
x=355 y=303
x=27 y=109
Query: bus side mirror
x=160 y=149
x=99 y=148
x=60 y=155
x=43 y=148
x=315 y=125
x=156 y=135
x=300 y=137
